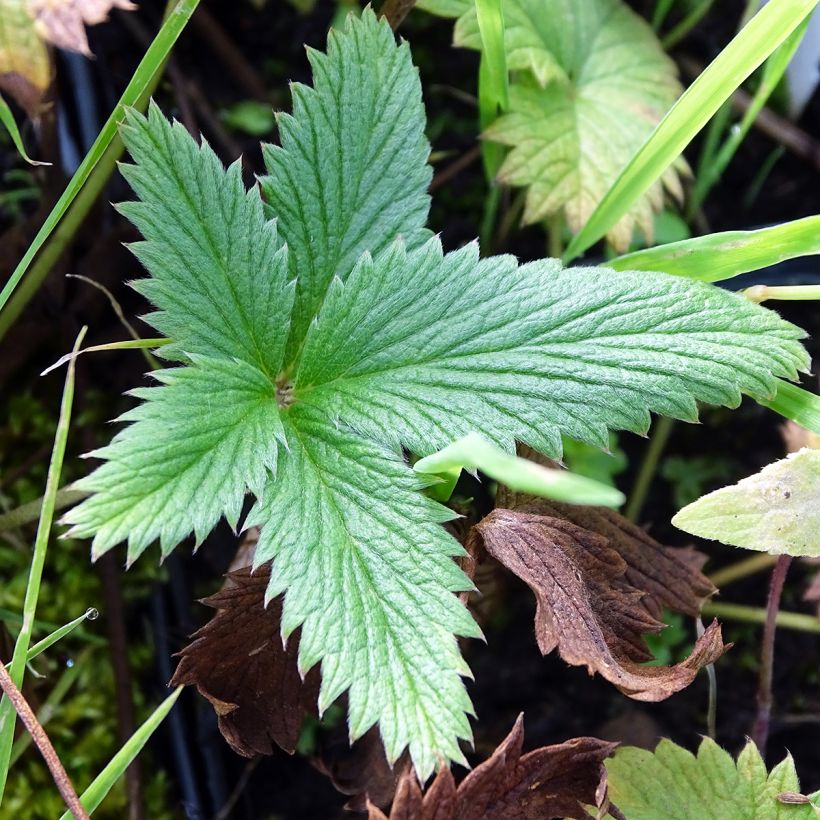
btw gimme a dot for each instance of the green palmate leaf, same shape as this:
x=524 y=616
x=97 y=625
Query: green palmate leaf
x=599 y=84
x=351 y=173
x=369 y=575
x=671 y=782
x=408 y=347
x=218 y=279
x=420 y=349
x=200 y=441
x=776 y=510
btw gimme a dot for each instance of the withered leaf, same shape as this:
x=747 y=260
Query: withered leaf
x=238 y=663
x=62 y=22
x=670 y=576
x=553 y=781
x=586 y=606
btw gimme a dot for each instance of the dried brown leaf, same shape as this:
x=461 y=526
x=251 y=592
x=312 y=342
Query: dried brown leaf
x=553 y=781
x=586 y=606
x=237 y=661
x=62 y=22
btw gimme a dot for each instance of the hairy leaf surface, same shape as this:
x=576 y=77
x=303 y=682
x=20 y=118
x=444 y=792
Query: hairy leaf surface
x=218 y=277
x=673 y=783
x=198 y=443
x=776 y=510
x=351 y=173
x=595 y=83
x=368 y=574
x=423 y=348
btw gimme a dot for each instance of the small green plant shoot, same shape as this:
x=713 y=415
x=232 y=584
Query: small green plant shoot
x=318 y=333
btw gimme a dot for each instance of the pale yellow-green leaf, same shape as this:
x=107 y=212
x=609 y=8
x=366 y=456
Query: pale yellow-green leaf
x=671 y=782
x=25 y=68
x=776 y=510
x=592 y=82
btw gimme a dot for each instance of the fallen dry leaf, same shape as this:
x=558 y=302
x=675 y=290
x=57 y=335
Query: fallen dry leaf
x=554 y=781
x=62 y=22
x=25 y=28
x=586 y=606
x=238 y=663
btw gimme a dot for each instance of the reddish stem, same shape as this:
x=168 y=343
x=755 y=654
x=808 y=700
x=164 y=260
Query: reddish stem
x=760 y=731
x=40 y=738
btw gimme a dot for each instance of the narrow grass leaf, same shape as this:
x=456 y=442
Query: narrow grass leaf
x=473 y=452
x=147 y=71
x=763 y=34
x=21 y=647
x=796 y=404
x=7 y=118
x=720 y=256
x=105 y=780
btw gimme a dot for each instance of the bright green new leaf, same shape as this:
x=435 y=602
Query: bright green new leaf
x=476 y=453
x=673 y=783
x=797 y=404
x=332 y=205
x=600 y=82
x=720 y=256
x=776 y=510
x=394 y=345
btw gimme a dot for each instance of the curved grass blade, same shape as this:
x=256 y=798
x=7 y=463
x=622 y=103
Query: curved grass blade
x=136 y=92
x=7 y=118
x=90 y=614
x=105 y=780
x=476 y=453
x=720 y=256
x=21 y=646
x=756 y=41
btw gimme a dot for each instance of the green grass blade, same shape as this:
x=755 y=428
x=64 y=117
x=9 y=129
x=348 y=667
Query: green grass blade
x=773 y=72
x=748 y=50
x=720 y=256
x=21 y=647
x=792 y=402
x=7 y=118
x=476 y=453
x=142 y=81
x=90 y=614
x=105 y=780
x=493 y=78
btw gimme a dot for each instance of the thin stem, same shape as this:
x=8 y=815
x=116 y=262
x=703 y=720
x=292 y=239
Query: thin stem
x=555 y=235
x=40 y=738
x=686 y=25
x=760 y=730
x=742 y=569
x=711 y=709
x=66 y=496
x=38 y=559
x=757 y=615
x=794 y=293
x=649 y=466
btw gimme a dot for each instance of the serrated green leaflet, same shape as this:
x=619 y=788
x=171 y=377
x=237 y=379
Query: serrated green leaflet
x=394 y=345
x=200 y=441
x=595 y=84
x=673 y=783
x=217 y=277
x=369 y=576
x=332 y=205
x=776 y=510
x=421 y=349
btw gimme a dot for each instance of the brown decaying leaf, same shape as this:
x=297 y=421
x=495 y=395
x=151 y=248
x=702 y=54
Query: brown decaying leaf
x=62 y=22
x=554 y=781
x=586 y=606
x=238 y=663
